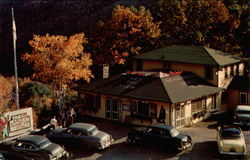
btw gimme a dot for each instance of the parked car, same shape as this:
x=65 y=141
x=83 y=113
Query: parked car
x=160 y=135
x=32 y=147
x=1 y=157
x=231 y=141
x=81 y=134
x=242 y=115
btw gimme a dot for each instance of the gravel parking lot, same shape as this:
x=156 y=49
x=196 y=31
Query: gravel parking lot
x=204 y=145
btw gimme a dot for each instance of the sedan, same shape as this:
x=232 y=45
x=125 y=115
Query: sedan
x=160 y=135
x=32 y=147
x=81 y=134
x=231 y=141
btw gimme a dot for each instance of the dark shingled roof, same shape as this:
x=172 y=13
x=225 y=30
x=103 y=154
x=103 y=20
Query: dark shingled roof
x=172 y=89
x=241 y=83
x=190 y=54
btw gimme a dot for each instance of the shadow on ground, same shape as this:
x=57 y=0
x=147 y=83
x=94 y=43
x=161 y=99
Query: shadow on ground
x=135 y=151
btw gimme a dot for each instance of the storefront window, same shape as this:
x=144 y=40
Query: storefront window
x=153 y=110
x=143 y=109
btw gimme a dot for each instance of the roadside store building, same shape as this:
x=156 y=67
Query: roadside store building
x=142 y=98
x=239 y=91
x=214 y=66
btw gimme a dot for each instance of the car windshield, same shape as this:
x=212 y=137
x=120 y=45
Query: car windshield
x=230 y=133
x=93 y=131
x=243 y=112
x=174 y=132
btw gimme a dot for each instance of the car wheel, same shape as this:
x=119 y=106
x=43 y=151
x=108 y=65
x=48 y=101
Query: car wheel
x=131 y=140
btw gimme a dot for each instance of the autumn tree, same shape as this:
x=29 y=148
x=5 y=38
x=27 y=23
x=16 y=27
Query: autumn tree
x=59 y=61
x=190 y=21
x=6 y=93
x=124 y=34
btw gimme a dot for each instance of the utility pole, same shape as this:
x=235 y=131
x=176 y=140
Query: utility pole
x=15 y=61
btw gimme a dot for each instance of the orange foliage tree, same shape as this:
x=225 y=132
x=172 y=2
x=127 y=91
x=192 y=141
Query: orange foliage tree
x=125 y=33
x=6 y=93
x=59 y=60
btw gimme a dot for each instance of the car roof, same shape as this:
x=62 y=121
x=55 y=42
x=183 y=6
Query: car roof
x=34 y=139
x=243 y=107
x=82 y=126
x=161 y=126
x=230 y=128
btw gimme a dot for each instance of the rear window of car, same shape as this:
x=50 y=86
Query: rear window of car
x=93 y=131
x=230 y=133
x=242 y=112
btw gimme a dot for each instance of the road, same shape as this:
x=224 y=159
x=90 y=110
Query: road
x=204 y=145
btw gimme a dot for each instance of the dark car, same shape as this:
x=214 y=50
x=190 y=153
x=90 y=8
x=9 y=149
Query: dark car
x=160 y=135
x=81 y=134
x=242 y=115
x=31 y=147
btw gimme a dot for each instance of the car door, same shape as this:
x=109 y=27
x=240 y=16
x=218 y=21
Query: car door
x=153 y=136
x=66 y=137
x=79 y=137
x=18 y=151
x=166 y=138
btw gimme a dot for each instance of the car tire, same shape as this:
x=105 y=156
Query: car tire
x=131 y=141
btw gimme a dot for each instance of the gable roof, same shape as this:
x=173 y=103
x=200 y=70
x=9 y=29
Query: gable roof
x=241 y=83
x=190 y=54
x=171 y=89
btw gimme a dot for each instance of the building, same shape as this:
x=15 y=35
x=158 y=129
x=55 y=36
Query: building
x=176 y=98
x=214 y=66
x=177 y=85
x=239 y=92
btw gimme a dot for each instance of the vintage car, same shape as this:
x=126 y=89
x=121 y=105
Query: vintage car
x=231 y=141
x=242 y=115
x=160 y=135
x=81 y=134
x=32 y=147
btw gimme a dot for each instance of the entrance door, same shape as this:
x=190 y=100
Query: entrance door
x=112 y=109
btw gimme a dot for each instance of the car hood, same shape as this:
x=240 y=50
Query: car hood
x=181 y=136
x=53 y=149
x=231 y=142
x=101 y=135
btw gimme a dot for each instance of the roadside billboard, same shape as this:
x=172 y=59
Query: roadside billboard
x=16 y=122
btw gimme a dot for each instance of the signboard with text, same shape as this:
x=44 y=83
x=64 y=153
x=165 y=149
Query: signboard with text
x=18 y=122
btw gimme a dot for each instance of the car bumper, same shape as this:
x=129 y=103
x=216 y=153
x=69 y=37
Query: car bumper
x=106 y=144
x=64 y=153
x=185 y=145
x=233 y=153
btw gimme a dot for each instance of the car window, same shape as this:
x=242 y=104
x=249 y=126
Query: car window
x=242 y=112
x=83 y=133
x=155 y=132
x=76 y=132
x=174 y=132
x=166 y=133
x=230 y=133
x=93 y=131
x=30 y=147
x=19 y=145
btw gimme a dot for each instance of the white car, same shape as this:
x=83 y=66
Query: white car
x=231 y=141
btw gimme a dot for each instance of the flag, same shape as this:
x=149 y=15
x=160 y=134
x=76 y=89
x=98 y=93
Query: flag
x=13 y=26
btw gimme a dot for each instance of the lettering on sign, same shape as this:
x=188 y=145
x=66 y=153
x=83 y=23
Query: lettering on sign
x=19 y=122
